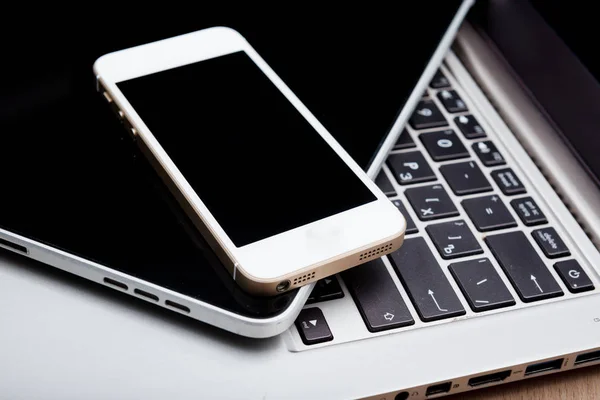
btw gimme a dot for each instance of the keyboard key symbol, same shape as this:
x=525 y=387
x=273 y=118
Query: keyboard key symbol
x=534 y=279
x=406 y=176
x=426 y=112
x=489 y=211
x=388 y=316
x=483 y=148
x=448 y=249
x=431 y=293
x=574 y=274
x=444 y=143
x=412 y=165
x=312 y=322
x=426 y=211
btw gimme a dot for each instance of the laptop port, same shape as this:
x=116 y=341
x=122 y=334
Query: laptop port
x=489 y=378
x=402 y=396
x=544 y=367
x=587 y=357
x=438 y=389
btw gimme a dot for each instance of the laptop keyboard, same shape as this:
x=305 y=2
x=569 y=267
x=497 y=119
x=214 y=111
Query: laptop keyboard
x=482 y=243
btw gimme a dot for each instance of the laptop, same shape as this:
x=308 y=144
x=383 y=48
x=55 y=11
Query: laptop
x=496 y=281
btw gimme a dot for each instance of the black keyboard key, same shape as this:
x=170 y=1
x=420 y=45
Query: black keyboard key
x=384 y=184
x=525 y=269
x=410 y=168
x=425 y=282
x=444 y=145
x=528 y=211
x=469 y=126
x=465 y=178
x=508 y=181
x=326 y=289
x=431 y=202
x=481 y=285
x=452 y=101
x=427 y=115
x=439 y=81
x=550 y=243
x=377 y=296
x=573 y=276
x=454 y=239
x=488 y=213
x=312 y=326
x=410 y=224
x=488 y=153
x=405 y=141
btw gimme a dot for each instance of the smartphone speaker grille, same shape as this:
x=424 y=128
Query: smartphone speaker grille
x=376 y=252
x=303 y=278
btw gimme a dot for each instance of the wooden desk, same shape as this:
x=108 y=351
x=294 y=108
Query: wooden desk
x=582 y=384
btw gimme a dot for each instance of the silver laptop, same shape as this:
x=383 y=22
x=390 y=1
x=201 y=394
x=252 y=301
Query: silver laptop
x=497 y=280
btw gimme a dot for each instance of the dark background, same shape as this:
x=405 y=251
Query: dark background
x=68 y=176
x=551 y=46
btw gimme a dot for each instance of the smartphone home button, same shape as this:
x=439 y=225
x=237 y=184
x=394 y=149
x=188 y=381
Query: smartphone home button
x=324 y=235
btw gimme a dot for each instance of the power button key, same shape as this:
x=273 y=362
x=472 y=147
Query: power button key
x=573 y=276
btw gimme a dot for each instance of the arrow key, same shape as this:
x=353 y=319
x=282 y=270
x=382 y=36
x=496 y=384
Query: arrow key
x=312 y=326
x=326 y=289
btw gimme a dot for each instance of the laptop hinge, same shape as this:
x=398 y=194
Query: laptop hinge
x=535 y=132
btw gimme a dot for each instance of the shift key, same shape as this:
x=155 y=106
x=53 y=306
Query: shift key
x=425 y=282
x=523 y=266
x=377 y=297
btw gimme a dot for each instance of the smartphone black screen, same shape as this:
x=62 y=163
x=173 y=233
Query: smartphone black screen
x=229 y=130
x=70 y=181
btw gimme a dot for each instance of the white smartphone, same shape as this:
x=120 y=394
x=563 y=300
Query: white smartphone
x=214 y=119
